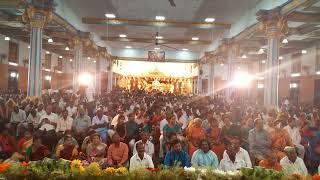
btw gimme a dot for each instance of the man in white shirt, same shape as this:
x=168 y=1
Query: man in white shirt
x=72 y=110
x=163 y=122
x=18 y=120
x=295 y=136
x=100 y=123
x=40 y=110
x=140 y=159
x=49 y=120
x=48 y=124
x=114 y=121
x=291 y=163
x=234 y=157
x=64 y=123
x=34 y=118
x=148 y=146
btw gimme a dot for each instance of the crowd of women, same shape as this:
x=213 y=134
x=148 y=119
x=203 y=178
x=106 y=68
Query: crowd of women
x=144 y=130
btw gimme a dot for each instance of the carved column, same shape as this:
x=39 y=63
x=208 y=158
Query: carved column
x=273 y=24
x=37 y=17
x=110 y=75
x=211 y=79
x=78 y=62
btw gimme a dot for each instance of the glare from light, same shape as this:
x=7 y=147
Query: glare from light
x=261 y=78
x=85 y=78
x=221 y=64
x=263 y=61
x=160 y=18
x=209 y=20
x=260 y=86
x=28 y=47
x=280 y=57
x=128 y=47
x=70 y=60
x=159 y=37
x=13 y=74
x=184 y=49
x=239 y=67
x=285 y=41
x=50 y=40
x=156 y=48
x=242 y=79
x=60 y=72
x=7 y=38
x=304 y=51
x=195 y=39
x=244 y=56
x=293 y=85
x=47 y=52
x=94 y=61
x=295 y=74
x=88 y=58
x=48 y=70
x=110 y=16
x=122 y=35
x=48 y=78
x=318 y=72
x=67 y=48
x=261 y=51
x=60 y=57
x=13 y=64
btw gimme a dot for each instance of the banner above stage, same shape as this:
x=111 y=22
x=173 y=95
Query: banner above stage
x=155 y=69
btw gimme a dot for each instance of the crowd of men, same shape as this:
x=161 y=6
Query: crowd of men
x=140 y=129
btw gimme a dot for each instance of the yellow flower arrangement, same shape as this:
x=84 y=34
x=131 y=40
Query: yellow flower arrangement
x=76 y=166
x=122 y=170
x=110 y=170
x=94 y=169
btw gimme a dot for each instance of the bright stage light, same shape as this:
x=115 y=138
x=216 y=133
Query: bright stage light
x=85 y=78
x=48 y=78
x=242 y=79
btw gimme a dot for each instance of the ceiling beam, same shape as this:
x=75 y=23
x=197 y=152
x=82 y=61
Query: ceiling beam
x=153 y=23
x=146 y=59
x=304 y=17
x=160 y=41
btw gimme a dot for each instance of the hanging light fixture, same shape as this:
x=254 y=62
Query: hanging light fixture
x=50 y=40
x=67 y=48
x=244 y=56
x=285 y=41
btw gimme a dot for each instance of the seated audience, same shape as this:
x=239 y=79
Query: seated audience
x=117 y=152
x=291 y=163
x=37 y=151
x=140 y=159
x=234 y=158
x=271 y=162
x=259 y=141
x=25 y=141
x=176 y=156
x=67 y=150
x=204 y=157
x=96 y=150
x=195 y=134
x=100 y=124
x=148 y=146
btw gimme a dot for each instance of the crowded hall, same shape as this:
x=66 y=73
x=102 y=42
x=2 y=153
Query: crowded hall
x=160 y=89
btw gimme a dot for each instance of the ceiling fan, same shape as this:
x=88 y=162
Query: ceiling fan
x=172 y=3
x=156 y=43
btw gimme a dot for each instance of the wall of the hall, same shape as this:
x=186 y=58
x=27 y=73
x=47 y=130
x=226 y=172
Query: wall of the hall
x=307 y=78
x=59 y=79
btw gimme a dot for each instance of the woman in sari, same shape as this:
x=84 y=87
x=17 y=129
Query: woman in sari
x=195 y=134
x=37 y=151
x=67 y=150
x=25 y=141
x=96 y=150
x=280 y=139
x=214 y=136
x=7 y=143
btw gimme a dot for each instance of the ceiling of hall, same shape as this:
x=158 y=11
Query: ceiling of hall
x=226 y=11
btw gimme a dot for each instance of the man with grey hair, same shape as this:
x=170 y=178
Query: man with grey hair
x=291 y=163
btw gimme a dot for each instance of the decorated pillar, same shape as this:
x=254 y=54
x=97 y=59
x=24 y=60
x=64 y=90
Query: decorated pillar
x=273 y=24
x=78 y=62
x=37 y=16
x=110 y=75
x=211 y=79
